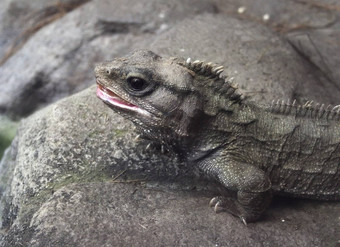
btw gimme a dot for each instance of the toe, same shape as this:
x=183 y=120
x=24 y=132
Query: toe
x=214 y=201
x=219 y=207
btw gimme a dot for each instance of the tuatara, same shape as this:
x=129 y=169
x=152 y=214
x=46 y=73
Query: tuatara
x=251 y=149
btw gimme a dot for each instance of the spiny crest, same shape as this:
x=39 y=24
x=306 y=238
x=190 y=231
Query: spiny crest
x=207 y=69
x=219 y=83
x=309 y=109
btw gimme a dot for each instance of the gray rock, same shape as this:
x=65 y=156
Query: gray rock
x=20 y=19
x=76 y=177
x=15 y=17
x=311 y=27
x=320 y=47
x=282 y=16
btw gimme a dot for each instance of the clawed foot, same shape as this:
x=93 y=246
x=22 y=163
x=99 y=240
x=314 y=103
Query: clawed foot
x=158 y=146
x=221 y=204
x=151 y=144
x=218 y=203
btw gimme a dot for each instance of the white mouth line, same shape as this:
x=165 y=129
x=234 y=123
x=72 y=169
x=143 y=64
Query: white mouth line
x=115 y=101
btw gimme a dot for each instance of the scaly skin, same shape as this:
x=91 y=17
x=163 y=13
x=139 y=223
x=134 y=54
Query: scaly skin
x=250 y=149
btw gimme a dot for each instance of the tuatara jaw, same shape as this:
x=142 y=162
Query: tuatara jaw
x=112 y=99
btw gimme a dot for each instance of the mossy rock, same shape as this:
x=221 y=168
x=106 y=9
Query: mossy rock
x=7 y=132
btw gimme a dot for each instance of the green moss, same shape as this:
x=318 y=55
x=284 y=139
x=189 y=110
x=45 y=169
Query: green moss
x=84 y=177
x=95 y=133
x=121 y=132
x=117 y=133
x=7 y=132
x=35 y=201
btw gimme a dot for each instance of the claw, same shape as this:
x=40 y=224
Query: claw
x=243 y=220
x=137 y=138
x=213 y=201
x=148 y=146
x=217 y=203
x=218 y=207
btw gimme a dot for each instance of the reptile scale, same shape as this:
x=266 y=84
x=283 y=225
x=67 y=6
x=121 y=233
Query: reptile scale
x=251 y=149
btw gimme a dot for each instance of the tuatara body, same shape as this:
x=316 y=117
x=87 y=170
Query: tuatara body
x=252 y=150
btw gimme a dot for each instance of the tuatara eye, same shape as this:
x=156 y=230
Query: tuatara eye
x=137 y=84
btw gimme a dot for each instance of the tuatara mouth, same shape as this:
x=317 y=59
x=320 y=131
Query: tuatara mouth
x=111 y=98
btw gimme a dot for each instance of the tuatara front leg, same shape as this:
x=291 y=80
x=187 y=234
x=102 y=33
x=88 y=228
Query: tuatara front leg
x=251 y=184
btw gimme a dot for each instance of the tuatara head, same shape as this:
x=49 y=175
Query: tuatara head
x=164 y=97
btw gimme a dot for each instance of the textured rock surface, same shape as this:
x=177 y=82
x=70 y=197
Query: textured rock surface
x=19 y=19
x=76 y=177
x=311 y=45
x=311 y=27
